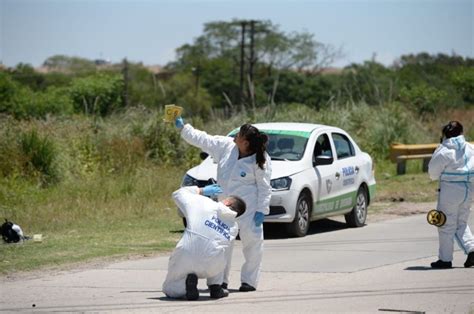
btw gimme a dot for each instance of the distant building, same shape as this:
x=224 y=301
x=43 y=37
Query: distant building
x=101 y=62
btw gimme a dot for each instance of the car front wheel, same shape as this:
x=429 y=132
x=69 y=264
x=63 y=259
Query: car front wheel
x=300 y=225
x=358 y=215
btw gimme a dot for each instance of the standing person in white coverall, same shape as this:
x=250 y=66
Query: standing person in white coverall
x=452 y=164
x=201 y=252
x=243 y=169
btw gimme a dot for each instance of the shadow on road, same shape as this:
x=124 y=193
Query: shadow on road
x=429 y=268
x=418 y=268
x=278 y=231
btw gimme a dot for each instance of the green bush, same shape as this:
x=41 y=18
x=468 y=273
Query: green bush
x=464 y=82
x=144 y=89
x=26 y=154
x=11 y=158
x=98 y=94
x=184 y=92
x=8 y=90
x=21 y=102
x=163 y=142
x=40 y=157
x=53 y=101
x=121 y=153
x=424 y=99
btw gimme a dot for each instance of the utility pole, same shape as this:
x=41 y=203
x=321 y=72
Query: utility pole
x=252 y=63
x=252 y=49
x=197 y=73
x=125 y=82
x=243 y=24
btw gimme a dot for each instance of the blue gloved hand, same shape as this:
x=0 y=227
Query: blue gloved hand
x=211 y=190
x=179 y=123
x=258 y=218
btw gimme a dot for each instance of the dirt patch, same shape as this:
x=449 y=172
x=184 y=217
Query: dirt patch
x=391 y=210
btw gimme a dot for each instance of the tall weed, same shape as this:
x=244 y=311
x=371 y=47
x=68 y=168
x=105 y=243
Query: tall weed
x=40 y=154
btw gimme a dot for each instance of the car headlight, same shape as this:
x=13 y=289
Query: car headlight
x=281 y=183
x=189 y=181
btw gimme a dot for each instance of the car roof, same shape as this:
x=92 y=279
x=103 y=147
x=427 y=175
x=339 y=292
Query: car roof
x=291 y=126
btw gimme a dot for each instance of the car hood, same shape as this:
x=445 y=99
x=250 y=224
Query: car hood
x=282 y=169
x=208 y=169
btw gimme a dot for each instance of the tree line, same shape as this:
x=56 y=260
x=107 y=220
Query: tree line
x=234 y=67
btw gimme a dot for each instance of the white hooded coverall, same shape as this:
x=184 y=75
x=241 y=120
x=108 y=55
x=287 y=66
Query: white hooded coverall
x=244 y=178
x=211 y=228
x=452 y=164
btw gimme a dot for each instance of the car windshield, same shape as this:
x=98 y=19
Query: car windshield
x=284 y=145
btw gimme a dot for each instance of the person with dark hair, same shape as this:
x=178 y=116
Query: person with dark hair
x=201 y=252
x=452 y=164
x=243 y=169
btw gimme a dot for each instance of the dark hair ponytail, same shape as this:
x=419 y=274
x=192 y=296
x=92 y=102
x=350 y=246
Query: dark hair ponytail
x=257 y=142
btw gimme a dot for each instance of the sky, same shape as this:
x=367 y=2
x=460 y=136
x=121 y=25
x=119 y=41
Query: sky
x=149 y=31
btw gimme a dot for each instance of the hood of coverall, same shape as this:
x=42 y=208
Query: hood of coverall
x=456 y=143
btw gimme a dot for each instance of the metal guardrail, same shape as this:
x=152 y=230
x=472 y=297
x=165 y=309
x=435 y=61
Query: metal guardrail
x=400 y=153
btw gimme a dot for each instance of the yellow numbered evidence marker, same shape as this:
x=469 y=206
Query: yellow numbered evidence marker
x=436 y=218
x=171 y=112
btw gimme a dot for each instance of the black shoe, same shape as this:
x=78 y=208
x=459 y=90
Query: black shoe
x=224 y=285
x=439 y=264
x=217 y=292
x=192 y=293
x=245 y=287
x=470 y=260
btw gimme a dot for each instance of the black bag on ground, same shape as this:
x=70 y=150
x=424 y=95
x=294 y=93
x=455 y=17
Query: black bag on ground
x=9 y=234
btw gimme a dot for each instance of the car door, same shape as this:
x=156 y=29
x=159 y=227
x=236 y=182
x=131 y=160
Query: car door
x=346 y=171
x=325 y=177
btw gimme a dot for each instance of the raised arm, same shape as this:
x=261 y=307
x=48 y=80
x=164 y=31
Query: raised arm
x=212 y=144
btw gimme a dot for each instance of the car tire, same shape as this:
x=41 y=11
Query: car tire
x=358 y=215
x=300 y=225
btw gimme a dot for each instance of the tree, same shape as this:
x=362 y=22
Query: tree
x=250 y=47
x=72 y=65
x=369 y=82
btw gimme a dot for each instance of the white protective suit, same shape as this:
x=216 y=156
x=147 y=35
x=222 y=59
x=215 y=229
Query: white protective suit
x=452 y=164
x=211 y=228
x=241 y=177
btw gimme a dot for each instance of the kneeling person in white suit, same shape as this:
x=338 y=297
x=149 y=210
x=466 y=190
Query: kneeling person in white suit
x=201 y=252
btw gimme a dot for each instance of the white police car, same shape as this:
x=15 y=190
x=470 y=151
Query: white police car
x=318 y=171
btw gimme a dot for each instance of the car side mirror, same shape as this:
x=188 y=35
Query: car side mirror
x=322 y=160
x=203 y=155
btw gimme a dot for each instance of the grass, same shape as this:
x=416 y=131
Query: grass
x=92 y=241
x=128 y=214
x=414 y=186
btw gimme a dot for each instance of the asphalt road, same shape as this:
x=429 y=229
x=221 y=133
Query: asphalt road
x=382 y=267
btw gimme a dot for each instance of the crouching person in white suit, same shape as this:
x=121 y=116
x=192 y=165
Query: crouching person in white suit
x=201 y=252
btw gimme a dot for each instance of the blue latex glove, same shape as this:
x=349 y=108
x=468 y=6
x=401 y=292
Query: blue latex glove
x=211 y=190
x=258 y=218
x=179 y=123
